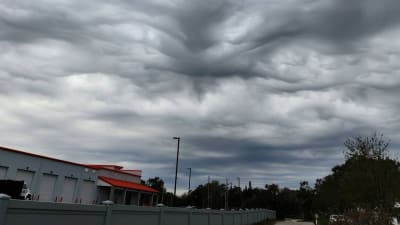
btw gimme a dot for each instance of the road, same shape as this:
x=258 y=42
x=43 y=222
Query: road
x=293 y=222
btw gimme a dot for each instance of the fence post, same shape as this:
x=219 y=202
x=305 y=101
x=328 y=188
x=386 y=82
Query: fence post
x=258 y=215
x=4 y=200
x=190 y=217
x=161 y=216
x=107 y=218
x=209 y=217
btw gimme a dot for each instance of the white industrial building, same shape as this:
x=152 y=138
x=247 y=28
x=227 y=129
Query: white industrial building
x=55 y=180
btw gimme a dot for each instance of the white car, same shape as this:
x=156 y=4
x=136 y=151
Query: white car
x=335 y=218
x=395 y=220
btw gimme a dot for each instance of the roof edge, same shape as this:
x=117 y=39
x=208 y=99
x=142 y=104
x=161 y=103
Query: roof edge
x=107 y=180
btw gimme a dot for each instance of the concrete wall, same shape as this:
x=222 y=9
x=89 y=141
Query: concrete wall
x=16 y=212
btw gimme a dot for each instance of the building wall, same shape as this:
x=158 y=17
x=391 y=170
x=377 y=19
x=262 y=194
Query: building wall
x=50 y=180
x=120 y=176
x=103 y=193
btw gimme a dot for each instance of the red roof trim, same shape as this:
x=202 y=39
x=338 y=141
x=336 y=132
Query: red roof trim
x=99 y=167
x=40 y=156
x=96 y=167
x=127 y=184
x=105 y=165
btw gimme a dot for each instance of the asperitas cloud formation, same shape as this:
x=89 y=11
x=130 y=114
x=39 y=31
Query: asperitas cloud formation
x=263 y=90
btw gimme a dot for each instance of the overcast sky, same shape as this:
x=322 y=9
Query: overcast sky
x=264 y=90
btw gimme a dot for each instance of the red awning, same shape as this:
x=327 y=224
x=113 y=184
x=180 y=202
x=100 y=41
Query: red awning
x=127 y=184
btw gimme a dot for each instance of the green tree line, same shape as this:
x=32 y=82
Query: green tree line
x=368 y=180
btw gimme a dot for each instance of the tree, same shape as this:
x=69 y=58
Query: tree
x=288 y=205
x=209 y=195
x=368 y=179
x=374 y=147
x=305 y=196
x=156 y=183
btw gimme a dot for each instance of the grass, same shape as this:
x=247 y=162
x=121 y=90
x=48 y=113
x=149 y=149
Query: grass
x=323 y=221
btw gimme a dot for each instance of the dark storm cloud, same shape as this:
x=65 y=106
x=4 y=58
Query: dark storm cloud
x=341 y=23
x=263 y=90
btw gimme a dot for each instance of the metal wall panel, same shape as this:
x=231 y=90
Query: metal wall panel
x=87 y=192
x=26 y=176
x=46 y=188
x=69 y=186
x=3 y=172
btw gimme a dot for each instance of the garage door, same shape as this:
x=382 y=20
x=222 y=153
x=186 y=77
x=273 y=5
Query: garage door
x=26 y=176
x=46 y=187
x=87 y=192
x=3 y=172
x=69 y=189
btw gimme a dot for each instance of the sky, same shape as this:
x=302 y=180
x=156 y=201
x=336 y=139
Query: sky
x=264 y=90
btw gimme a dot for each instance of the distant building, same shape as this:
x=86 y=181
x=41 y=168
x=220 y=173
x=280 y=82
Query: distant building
x=56 y=180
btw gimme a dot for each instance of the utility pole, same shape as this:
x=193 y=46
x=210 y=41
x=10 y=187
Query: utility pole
x=208 y=192
x=162 y=195
x=240 y=191
x=176 y=167
x=190 y=175
x=226 y=194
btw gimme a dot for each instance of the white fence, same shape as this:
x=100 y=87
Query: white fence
x=16 y=212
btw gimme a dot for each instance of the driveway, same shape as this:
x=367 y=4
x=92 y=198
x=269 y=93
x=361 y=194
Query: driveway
x=293 y=222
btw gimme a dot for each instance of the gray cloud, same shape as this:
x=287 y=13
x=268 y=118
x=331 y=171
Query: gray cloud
x=266 y=91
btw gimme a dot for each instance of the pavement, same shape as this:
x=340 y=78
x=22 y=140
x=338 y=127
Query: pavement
x=293 y=222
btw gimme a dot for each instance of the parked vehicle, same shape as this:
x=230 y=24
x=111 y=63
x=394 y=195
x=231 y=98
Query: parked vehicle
x=12 y=188
x=26 y=193
x=335 y=218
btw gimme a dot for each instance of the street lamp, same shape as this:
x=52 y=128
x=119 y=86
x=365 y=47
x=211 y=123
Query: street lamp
x=190 y=175
x=176 y=166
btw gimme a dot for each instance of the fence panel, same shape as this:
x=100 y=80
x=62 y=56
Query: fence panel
x=133 y=215
x=176 y=216
x=32 y=213
x=17 y=212
x=199 y=218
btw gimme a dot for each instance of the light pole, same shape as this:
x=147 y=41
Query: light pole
x=240 y=191
x=176 y=167
x=208 y=192
x=226 y=194
x=190 y=175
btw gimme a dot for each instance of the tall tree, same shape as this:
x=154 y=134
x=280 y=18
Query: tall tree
x=305 y=196
x=373 y=147
x=368 y=179
x=156 y=183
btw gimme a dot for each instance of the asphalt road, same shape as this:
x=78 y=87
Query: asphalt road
x=293 y=222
